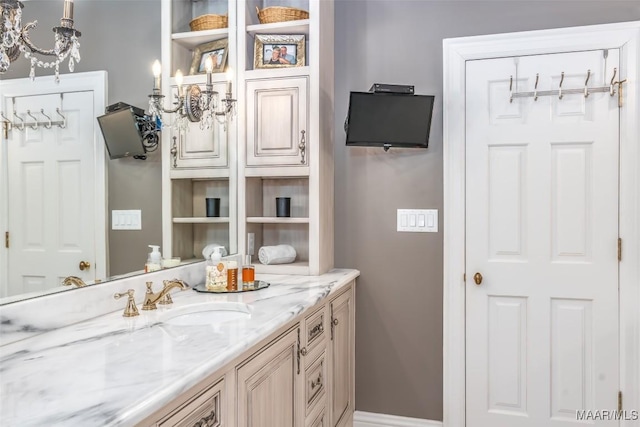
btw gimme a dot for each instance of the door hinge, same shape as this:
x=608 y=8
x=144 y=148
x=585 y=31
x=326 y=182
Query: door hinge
x=6 y=239
x=619 y=401
x=619 y=249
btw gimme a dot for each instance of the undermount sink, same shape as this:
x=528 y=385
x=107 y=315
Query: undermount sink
x=208 y=313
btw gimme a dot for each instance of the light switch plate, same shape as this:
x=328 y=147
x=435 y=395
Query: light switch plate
x=126 y=219
x=417 y=220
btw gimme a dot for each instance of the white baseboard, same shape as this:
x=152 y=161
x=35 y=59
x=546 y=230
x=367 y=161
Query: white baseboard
x=370 y=419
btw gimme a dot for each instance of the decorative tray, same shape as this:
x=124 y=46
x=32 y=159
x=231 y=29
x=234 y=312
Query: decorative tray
x=259 y=285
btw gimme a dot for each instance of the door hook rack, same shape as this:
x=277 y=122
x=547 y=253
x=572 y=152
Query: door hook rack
x=614 y=87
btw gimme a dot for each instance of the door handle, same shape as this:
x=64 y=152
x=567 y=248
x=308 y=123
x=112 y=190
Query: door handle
x=477 y=278
x=84 y=265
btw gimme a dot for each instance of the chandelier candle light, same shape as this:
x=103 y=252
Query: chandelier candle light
x=14 y=38
x=193 y=104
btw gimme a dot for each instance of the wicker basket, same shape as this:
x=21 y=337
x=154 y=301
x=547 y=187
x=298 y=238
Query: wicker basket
x=209 y=22
x=272 y=14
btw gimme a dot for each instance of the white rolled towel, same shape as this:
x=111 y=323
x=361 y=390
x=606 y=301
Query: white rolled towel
x=280 y=254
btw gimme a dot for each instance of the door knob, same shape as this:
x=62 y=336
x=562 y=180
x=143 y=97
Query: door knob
x=84 y=265
x=477 y=278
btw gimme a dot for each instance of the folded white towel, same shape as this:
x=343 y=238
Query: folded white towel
x=280 y=254
x=208 y=250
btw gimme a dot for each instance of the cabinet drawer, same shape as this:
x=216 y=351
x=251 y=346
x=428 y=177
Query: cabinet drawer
x=201 y=411
x=315 y=325
x=315 y=377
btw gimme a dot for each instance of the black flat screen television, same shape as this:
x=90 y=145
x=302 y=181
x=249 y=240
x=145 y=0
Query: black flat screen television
x=121 y=133
x=389 y=119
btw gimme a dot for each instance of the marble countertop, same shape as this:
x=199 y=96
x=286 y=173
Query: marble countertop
x=111 y=370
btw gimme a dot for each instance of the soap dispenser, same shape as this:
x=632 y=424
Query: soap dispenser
x=154 y=260
x=216 y=276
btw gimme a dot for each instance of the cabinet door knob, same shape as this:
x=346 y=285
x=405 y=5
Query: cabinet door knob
x=335 y=322
x=84 y=265
x=303 y=351
x=302 y=146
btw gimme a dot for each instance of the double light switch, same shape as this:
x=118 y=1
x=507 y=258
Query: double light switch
x=418 y=220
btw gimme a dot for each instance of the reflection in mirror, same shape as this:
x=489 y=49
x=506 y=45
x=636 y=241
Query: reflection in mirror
x=57 y=208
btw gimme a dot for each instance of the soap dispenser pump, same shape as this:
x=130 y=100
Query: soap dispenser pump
x=153 y=260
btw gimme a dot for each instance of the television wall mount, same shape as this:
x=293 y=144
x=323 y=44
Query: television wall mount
x=386 y=88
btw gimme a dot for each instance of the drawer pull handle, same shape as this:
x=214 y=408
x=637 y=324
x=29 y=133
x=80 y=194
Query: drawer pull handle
x=316 y=383
x=316 y=330
x=208 y=421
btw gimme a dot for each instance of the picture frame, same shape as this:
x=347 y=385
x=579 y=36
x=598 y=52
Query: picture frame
x=219 y=49
x=268 y=50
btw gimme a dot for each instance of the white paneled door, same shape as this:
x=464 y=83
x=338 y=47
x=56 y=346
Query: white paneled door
x=52 y=216
x=542 y=232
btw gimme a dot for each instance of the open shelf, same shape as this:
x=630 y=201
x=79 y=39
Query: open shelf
x=191 y=39
x=276 y=220
x=296 y=268
x=201 y=220
x=269 y=73
x=288 y=27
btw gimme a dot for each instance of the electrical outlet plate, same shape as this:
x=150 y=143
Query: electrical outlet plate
x=417 y=220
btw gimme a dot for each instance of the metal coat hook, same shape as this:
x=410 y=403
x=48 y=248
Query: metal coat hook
x=6 y=119
x=47 y=125
x=34 y=125
x=64 y=119
x=612 y=84
x=510 y=89
x=586 y=89
x=21 y=125
x=560 y=87
x=535 y=88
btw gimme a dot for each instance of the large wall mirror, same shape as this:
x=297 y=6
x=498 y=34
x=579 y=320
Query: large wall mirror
x=124 y=39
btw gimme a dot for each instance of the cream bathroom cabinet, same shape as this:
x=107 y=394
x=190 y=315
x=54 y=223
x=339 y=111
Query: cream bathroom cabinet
x=301 y=375
x=279 y=144
x=197 y=163
x=276 y=122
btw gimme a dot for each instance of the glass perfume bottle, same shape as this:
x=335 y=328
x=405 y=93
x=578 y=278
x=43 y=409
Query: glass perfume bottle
x=248 y=274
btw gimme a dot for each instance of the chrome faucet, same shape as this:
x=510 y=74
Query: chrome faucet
x=151 y=298
x=73 y=280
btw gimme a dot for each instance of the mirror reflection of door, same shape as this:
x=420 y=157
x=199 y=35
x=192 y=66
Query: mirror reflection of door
x=53 y=204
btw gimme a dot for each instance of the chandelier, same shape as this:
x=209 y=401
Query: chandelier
x=193 y=104
x=14 y=38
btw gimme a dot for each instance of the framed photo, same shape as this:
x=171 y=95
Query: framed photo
x=217 y=50
x=279 y=51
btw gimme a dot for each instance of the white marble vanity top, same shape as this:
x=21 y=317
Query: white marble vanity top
x=112 y=370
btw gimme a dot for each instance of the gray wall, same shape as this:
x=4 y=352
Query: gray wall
x=122 y=37
x=399 y=294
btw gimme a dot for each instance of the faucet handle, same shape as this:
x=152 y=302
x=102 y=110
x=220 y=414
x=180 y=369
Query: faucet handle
x=130 y=310
x=149 y=287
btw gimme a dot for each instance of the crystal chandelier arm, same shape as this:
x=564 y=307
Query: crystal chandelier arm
x=24 y=35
